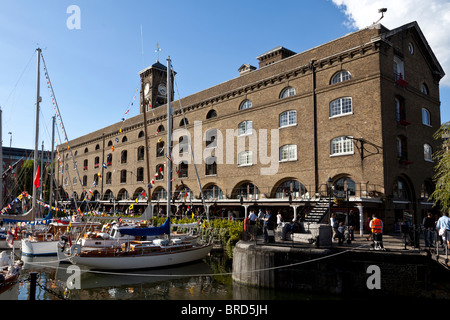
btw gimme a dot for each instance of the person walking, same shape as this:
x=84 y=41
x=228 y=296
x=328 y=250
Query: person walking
x=376 y=226
x=253 y=218
x=429 y=227
x=268 y=225
x=334 y=227
x=443 y=227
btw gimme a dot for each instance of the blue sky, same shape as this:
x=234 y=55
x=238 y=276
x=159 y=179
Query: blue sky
x=94 y=69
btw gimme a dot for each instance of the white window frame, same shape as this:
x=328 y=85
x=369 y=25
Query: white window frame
x=245 y=128
x=341 y=146
x=288 y=152
x=287 y=119
x=245 y=158
x=341 y=76
x=287 y=92
x=246 y=104
x=340 y=107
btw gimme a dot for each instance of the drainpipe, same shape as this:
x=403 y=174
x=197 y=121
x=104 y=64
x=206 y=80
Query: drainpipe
x=316 y=172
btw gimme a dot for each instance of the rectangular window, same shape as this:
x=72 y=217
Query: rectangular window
x=288 y=152
x=245 y=127
x=245 y=158
x=341 y=106
x=288 y=118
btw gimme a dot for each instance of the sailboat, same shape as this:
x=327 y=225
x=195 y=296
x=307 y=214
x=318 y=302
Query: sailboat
x=145 y=251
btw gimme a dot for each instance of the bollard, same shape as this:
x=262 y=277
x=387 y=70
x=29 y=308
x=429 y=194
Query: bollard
x=33 y=280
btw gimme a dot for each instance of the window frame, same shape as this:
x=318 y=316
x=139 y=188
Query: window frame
x=428 y=117
x=291 y=151
x=287 y=92
x=288 y=119
x=247 y=129
x=246 y=104
x=248 y=154
x=341 y=107
x=429 y=152
x=344 y=143
x=340 y=76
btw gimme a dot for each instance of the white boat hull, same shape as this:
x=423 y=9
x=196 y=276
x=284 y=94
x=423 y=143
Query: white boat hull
x=39 y=248
x=155 y=260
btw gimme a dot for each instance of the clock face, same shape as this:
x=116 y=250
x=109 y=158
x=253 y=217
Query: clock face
x=162 y=89
x=147 y=89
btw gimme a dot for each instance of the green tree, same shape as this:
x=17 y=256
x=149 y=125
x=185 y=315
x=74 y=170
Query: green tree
x=441 y=195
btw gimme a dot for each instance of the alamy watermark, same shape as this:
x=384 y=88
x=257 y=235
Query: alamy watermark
x=374 y=280
x=74 y=20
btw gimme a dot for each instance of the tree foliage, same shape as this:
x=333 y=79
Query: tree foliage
x=441 y=195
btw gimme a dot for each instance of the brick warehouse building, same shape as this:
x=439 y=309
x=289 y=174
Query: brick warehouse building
x=352 y=119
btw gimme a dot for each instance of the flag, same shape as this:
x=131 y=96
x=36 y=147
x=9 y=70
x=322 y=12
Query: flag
x=37 y=178
x=143 y=192
x=104 y=166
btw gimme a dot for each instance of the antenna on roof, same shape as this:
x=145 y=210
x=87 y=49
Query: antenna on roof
x=382 y=11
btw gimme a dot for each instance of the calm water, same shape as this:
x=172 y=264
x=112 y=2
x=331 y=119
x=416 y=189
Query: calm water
x=209 y=279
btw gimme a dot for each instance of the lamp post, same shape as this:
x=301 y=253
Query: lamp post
x=329 y=183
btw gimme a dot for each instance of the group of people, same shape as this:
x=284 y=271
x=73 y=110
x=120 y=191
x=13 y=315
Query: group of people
x=442 y=225
x=269 y=223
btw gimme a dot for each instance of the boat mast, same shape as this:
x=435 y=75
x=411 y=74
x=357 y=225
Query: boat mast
x=169 y=138
x=36 y=137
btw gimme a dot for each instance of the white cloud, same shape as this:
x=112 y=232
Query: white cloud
x=433 y=17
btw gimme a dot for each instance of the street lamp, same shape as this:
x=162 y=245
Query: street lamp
x=329 y=183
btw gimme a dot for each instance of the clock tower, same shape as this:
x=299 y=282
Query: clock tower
x=155 y=86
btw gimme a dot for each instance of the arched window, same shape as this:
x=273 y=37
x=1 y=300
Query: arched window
x=140 y=153
x=108 y=177
x=342 y=185
x=140 y=174
x=424 y=89
x=159 y=175
x=97 y=147
x=401 y=190
x=123 y=176
x=96 y=162
x=159 y=194
x=109 y=159
x=290 y=187
x=160 y=148
x=246 y=190
x=123 y=195
x=340 y=76
x=426 y=118
x=402 y=148
x=400 y=112
x=245 y=105
x=84 y=181
x=213 y=192
x=110 y=143
x=183 y=122
x=124 y=156
x=183 y=169
x=124 y=139
x=160 y=128
x=211 y=114
x=183 y=143
x=211 y=138
x=85 y=164
x=287 y=92
x=141 y=134
x=86 y=150
x=341 y=106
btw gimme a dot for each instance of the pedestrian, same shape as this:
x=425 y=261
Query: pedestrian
x=253 y=218
x=279 y=218
x=351 y=225
x=376 y=226
x=443 y=227
x=334 y=226
x=340 y=233
x=268 y=227
x=429 y=228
